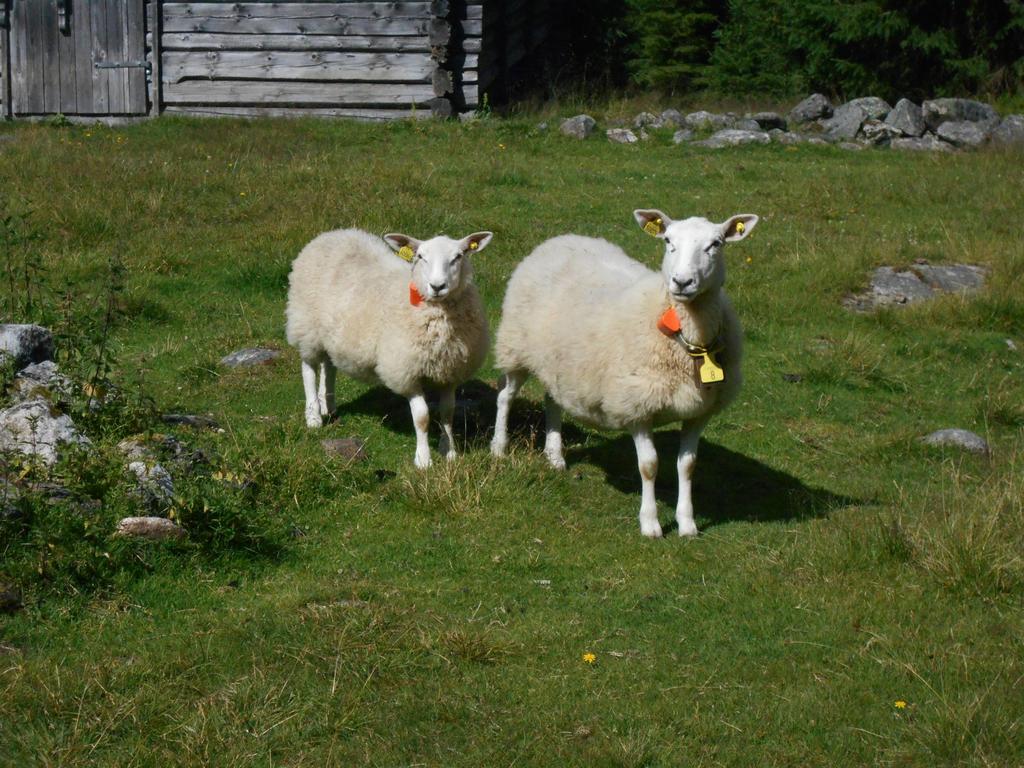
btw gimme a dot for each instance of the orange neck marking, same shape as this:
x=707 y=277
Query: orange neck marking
x=668 y=323
x=414 y=295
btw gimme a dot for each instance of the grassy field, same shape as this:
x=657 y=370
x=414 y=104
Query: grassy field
x=855 y=598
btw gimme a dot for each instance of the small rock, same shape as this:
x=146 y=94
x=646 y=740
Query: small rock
x=769 y=120
x=45 y=376
x=816 y=141
x=155 y=484
x=579 y=127
x=704 y=121
x=926 y=143
x=648 y=120
x=154 y=528
x=957 y=438
x=880 y=134
x=814 y=107
x=787 y=137
x=1009 y=131
x=682 y=135
x=874 y=107
x=673 y=117
x=851 y=145
x=1011 y=345
x=746 y=124
x=621 y=136
x=348 y=448
x=31 y=427
x=963 y=134
x=731 y=137
x=196 y=421
x=243 y=358
x=845 y=121
x=10 y=599
x=907 y=118
x=542 y=127
x=26 y=343
x=939 y=111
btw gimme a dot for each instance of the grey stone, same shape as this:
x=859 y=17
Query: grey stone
x=951 y=278
x=907 y=118
x=745 y=124
x=957 y=438
x=845 y=122
x=1011 y=345
x=542 y=127
x=154 y=528
x=682 y=135
x=673 y=117
x=196 y=421
x=874 y=107
x=31 y=427
x=648 y=120
x=348 y=448
x=706 y=121
x=852 y=146
x=963 y=134
x=817 y=141
x=155 y=484
x=731 y=137
x=879 y=134
x=788 y=137
x=578 y=127
x=926 y=143
x=814 y=107
x=621 y=136
x=26 y=343
x=42 y=376
x=939 y=111
x=1009 y=131
x=243 y=358
x=769 y=120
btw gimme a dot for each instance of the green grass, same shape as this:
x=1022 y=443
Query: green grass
x=440 y=618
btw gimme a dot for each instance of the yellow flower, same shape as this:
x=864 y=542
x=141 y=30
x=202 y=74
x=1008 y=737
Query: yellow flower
x=749 y=260
x=900 y=704
x=241 y=194
x=589 y=657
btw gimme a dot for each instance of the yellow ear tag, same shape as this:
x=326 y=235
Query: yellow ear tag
x=473 y=245
x=406 y=253
x=740 y=227
x=710 y=371
x=653 y=227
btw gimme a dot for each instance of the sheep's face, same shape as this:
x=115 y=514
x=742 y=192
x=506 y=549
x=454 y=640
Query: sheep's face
x=694 y=262
x=440 y=268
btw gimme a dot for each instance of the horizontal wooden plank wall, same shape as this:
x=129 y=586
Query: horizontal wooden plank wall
x=5 y=65
x=352 y=59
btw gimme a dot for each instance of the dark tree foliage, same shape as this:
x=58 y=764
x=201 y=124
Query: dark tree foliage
x=884 y=47
x=670 y=41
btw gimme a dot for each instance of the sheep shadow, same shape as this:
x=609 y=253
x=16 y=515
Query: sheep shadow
x=475 y=405
x=727 y=486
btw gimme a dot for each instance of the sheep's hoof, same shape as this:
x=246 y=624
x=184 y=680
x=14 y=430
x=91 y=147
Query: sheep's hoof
x=651 y=530
x=422 y=462
x=314 y=421
x=451 y=455
x=557 y=461
x=498 y=447
x=688 y=528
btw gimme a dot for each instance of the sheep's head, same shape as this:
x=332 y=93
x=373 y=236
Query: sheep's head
x=694 y=262
x=440 y=268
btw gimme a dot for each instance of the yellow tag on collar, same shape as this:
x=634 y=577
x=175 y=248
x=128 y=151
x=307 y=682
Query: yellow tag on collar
x=406 y=253
x=741 y=227
x=710 y=371
x=653 y=227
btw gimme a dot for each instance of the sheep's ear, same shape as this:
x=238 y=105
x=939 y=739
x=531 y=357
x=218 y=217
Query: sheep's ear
x=652 y=221
x=475 y=242
x=403 y=245
x=738 y=227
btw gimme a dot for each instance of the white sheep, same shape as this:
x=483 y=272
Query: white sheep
x=352 y=307
x=620 y=346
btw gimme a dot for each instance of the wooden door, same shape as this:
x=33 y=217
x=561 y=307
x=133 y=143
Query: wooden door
x=77 y=57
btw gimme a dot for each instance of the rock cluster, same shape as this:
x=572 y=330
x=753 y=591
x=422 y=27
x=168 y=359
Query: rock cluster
x=936 y=125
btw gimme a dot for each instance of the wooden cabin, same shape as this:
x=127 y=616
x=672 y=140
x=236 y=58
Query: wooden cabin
x=372 y=60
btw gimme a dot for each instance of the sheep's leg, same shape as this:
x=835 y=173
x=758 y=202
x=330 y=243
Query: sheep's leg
x=313 y=418
x=446 y=410
x=420 y=421
x=513 y=381
x=326 y=393
x=689 y=436
x=553 y=433
x=647 y=461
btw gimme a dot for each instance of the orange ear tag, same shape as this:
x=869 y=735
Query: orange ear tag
x=414 y=296
x=668 y=323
